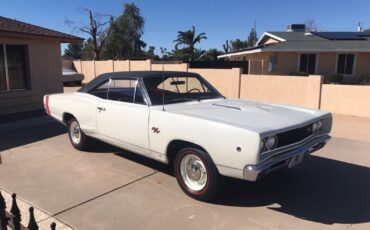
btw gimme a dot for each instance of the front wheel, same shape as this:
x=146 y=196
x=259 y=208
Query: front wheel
x=196 y=174
x=77 y=137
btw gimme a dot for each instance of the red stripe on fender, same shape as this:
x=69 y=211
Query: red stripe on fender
x=47 y=109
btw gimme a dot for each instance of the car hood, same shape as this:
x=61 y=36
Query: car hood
x=254 y=116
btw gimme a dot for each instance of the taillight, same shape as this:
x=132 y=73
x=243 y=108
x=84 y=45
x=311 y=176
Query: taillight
x=46 y=105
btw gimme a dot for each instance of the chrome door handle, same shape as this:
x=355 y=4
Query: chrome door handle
x=101 y=109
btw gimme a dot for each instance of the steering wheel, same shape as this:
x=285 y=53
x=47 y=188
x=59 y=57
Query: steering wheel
x=194 y=89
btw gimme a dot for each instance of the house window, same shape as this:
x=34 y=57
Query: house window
x=307 y=63
x=345 y=63
x=13 y=67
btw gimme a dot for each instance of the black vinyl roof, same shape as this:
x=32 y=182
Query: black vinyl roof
x=133 y=75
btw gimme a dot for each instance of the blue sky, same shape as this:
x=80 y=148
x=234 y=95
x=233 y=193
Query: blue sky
x=220 y=19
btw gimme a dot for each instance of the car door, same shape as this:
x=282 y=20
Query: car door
x=122 y=118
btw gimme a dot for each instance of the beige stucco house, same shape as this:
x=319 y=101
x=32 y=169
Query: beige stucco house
x=30 y=64
x=286 y=53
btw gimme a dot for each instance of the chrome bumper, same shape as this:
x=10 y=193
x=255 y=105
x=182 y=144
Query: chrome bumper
x=254 y=172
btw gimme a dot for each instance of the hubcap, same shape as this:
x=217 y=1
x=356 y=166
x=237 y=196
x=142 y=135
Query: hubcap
x=75 y=132
x=193 y=172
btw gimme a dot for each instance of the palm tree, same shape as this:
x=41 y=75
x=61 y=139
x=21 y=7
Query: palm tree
x=188 y=39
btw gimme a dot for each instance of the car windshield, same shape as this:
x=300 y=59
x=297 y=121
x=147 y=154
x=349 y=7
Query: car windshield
x=179 y=89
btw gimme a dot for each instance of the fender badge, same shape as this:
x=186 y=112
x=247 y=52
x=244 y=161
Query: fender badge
x=155 y=130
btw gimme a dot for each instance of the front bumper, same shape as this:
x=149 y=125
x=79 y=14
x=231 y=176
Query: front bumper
x=254 y=172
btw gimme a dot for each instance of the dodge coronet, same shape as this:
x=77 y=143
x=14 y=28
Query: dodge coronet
x=180 y=119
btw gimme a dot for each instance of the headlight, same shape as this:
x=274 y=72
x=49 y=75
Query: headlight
x=268 y=143
x=316 y=126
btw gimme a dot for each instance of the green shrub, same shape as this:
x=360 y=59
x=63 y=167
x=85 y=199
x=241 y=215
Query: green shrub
x=298 y=74
x=365 y=79
x=333 y=78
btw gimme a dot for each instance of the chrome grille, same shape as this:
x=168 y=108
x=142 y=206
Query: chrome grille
x=294 y=136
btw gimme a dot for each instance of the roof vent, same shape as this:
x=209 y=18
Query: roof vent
x=296 y=28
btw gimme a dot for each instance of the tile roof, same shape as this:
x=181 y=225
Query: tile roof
x=14 y=26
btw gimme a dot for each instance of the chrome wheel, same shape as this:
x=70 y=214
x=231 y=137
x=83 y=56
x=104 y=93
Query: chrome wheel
x=75 y=132
x=193 y=172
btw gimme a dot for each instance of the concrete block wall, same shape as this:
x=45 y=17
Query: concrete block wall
x=353 y=100
x=300 y=91
x=227 y=81
x=294 y=90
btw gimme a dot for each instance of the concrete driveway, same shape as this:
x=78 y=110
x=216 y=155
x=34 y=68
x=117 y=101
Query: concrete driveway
x=110 y=188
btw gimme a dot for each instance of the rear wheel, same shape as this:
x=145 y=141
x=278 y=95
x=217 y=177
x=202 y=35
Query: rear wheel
x=77 y=137
x=196 y=174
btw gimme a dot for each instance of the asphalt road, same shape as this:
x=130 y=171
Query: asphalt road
x=109 y=188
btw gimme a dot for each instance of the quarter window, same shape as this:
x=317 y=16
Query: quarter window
x=13 y=67
x=345 y=63
x=125 y=90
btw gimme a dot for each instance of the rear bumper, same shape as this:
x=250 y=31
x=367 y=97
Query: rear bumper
x=254 y=172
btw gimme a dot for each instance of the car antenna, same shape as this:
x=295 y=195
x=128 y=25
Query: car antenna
x=163 y=87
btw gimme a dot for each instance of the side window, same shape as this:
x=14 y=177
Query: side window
x=125 y=90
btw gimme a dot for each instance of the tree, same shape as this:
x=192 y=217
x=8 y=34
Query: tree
x=188 y=39
x=211 y=54
x=87 y=52
x=98 y=31
x=74 y=50
x=126 y=32
x=252 y=38
x=311 y=25
x=226 y=46
x=179 y=54
x=237 y=44
x=165 y=55
x=150 y=53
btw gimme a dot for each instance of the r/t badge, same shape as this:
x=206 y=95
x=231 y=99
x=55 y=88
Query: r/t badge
x=155 y=130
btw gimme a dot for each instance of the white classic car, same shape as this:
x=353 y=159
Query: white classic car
x=180 y=119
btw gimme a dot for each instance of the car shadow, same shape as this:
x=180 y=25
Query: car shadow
x=321 y=190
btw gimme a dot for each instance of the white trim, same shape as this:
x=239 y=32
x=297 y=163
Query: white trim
x=270 y=35
x=353 y=67
x=240 y=53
